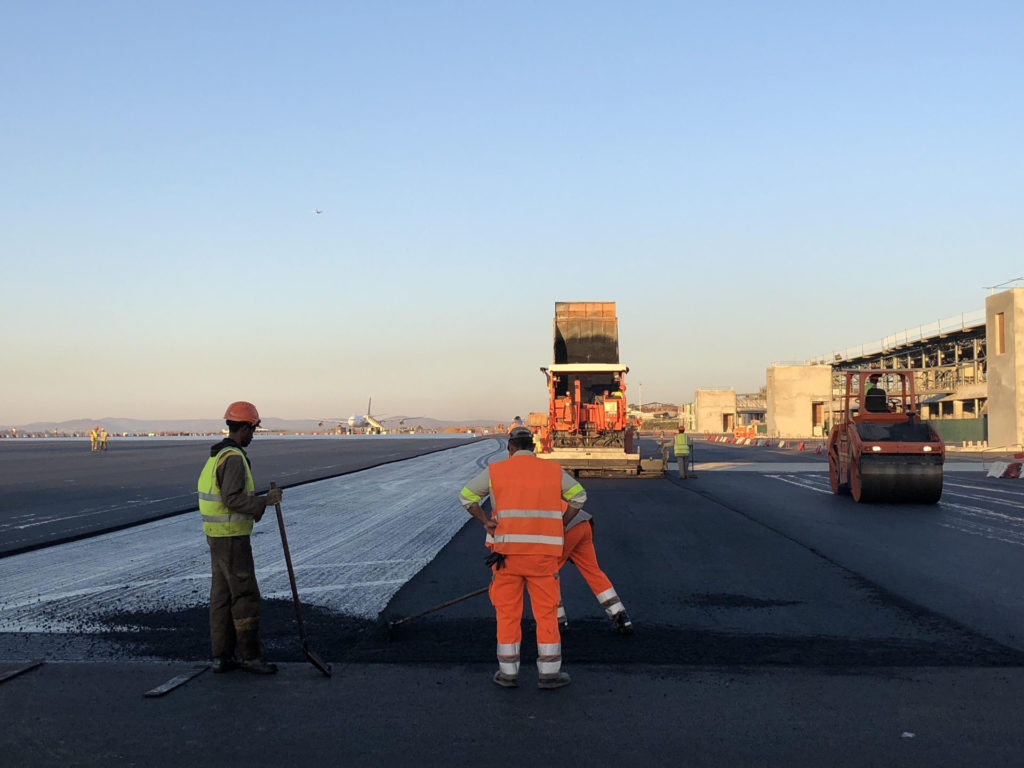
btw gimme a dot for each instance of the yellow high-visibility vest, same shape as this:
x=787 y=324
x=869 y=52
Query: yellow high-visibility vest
x=682 y=445
x=218 y=520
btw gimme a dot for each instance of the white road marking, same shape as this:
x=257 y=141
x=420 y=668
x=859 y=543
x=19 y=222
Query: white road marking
x=981 y=521
x=799 y=484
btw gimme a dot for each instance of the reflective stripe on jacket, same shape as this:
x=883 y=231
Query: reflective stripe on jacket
x=527 y=496
x=218 y=520
x=682 y=444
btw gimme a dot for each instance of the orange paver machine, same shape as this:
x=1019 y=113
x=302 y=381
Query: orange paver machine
x=587 y=429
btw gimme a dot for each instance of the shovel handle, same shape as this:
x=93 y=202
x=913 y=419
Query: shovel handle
x=439 y=607
x=288 y=563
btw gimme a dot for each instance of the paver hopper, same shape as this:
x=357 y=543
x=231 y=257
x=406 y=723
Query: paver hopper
x=880 y=450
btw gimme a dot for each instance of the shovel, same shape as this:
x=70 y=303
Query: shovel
x=311 y=657
x=393 y=624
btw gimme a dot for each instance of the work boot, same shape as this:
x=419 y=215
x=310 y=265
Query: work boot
x=223 y=664
x=622 y=624
x=506 y=681
x=563 y=625
x=558 y=680
x=259 y=667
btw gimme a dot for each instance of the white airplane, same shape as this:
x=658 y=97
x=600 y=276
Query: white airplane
x=317 y=211
x=369 y=424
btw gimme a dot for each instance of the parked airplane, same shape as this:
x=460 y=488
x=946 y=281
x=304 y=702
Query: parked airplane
x=369 y=424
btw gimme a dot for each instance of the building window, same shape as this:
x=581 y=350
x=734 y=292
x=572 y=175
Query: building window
x=1000 y=334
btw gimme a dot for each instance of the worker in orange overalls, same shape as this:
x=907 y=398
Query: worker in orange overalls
x=579 y=550
x=528 y=496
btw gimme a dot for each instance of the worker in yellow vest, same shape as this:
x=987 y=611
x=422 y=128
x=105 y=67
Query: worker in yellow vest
x=682 y=451
x=229 y=506
x=525 y=533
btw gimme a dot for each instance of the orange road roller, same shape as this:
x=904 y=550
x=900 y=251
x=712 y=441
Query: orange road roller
x=880 y=450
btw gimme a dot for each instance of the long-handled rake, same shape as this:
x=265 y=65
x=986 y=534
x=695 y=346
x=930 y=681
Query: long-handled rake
x=311 y=657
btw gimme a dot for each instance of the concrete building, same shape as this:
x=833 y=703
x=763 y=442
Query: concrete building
x=799 y=399
x=1004 y=331
x=715 y=410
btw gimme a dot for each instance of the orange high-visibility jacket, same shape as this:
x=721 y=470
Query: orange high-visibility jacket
x=527 y=496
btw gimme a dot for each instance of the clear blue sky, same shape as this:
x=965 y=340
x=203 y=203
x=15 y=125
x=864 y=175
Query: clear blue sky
x=749 y=181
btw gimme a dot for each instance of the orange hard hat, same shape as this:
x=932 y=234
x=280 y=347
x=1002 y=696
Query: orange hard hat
x=243 y=411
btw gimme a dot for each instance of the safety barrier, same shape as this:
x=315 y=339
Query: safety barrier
x=763 y=442
x=1002 y=464
x=1008 y=470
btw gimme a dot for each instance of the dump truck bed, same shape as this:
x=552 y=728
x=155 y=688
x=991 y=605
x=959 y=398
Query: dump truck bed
x=586 y=332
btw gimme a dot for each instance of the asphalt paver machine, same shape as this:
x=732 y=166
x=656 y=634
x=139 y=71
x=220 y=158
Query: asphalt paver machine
x=587 y=428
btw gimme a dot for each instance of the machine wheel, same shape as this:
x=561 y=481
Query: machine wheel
x=856 y=484
x=833 y=475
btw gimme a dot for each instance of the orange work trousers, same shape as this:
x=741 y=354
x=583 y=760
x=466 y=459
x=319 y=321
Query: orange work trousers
x=579 y=549
x=539 y=575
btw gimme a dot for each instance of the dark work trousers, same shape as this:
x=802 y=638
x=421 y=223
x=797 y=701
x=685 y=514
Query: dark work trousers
x=682 y=459
x=234 y=598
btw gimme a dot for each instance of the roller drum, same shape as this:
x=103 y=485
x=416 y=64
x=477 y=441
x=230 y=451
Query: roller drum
x=891 y=478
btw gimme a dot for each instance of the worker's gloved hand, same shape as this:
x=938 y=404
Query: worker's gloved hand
x=495 y=560
x=273 y=497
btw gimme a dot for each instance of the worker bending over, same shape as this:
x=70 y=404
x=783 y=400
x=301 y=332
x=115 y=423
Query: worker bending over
x=682 y=451
x=578 y=549
x=525 y=533
x=229 y=507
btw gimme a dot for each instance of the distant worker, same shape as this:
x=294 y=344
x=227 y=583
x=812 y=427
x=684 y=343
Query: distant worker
x=525 y=532
x=229 y=507
x=874 y=396
x=682 y=451
x=103 y=438
x=93 y=435
x=578 y=549
x=516 y=422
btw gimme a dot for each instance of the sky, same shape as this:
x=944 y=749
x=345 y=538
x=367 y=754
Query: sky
x=750 y=182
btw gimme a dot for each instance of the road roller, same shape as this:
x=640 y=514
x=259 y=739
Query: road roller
x=880 y=450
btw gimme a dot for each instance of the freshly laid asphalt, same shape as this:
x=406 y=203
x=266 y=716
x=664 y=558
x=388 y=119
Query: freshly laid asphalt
x=57 y=490
x=752 y=648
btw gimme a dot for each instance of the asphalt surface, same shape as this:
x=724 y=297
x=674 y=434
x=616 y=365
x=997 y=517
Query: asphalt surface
x=57 y=490
x=777 y=624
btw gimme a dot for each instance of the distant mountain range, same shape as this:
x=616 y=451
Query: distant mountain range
x=214 y=426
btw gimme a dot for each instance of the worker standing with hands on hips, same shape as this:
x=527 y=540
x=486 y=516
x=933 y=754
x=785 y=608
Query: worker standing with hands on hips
x=525 y=533
x=229 y=507
x=682 y=450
